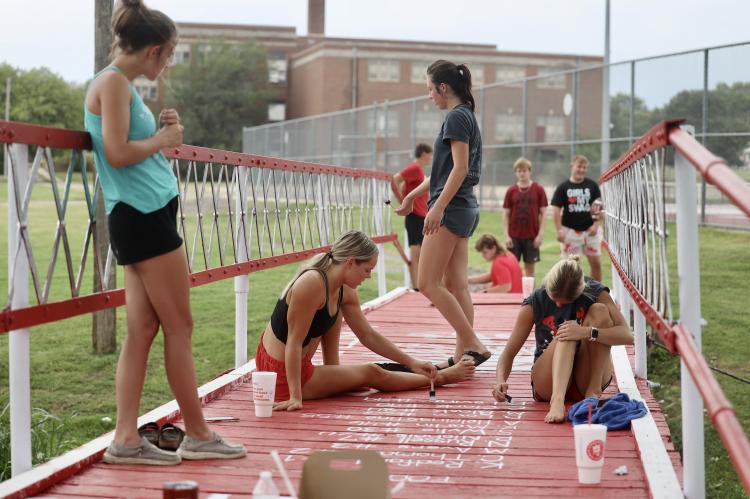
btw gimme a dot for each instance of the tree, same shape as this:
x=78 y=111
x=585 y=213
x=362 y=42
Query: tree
x=41 y=97
x=222 y=88
x=728 y=111
x=104 y=322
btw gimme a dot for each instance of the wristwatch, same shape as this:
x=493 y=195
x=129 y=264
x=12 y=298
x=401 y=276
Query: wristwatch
x=594 y=334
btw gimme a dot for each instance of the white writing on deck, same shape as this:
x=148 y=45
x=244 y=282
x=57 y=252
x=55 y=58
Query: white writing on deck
x=415 y=436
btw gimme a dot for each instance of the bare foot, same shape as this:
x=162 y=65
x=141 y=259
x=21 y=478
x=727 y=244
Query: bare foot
x=556 y=413
x=461 y=371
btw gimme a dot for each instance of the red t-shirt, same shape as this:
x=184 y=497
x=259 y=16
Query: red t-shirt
x=524 y=205
x=505 y=268
x=413 y=175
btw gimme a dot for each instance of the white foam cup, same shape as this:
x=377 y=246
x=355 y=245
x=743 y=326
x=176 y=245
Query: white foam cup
x=528 y=285
x=590 y=441
x=264 y=390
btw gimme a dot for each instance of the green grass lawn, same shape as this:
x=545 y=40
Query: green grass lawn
x=72 y=383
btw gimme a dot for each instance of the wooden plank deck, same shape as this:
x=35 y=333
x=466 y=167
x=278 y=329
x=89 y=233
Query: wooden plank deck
x=463 y=445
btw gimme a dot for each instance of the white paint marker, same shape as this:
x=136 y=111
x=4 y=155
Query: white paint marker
x=433 y=396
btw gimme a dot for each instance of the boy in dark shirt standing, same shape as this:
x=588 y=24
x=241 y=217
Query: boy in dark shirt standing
x=577 y=229
x=525 y=206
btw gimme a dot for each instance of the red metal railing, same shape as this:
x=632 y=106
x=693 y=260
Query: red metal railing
x=34 y=135
x=675 y=336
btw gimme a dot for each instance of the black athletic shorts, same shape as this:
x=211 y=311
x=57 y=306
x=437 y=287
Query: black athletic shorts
x=460 y=220
x=414 y=226
x=525 y=248
x=137 y=236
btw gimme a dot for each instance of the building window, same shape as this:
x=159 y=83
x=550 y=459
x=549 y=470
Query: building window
x=277 y=68
x=383 y=70
x=428 y=124
x=419 y=71
x=546 y=80
x=509 y=73
x=393 y=124
x=181 y=54
x=509 y=127
x=554 y=128
x=276 y=111
x=477 y=74
x=149 y=90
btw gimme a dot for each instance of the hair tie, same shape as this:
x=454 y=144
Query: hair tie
x=330 y=255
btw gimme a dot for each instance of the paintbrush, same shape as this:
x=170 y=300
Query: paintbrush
x=433 y=396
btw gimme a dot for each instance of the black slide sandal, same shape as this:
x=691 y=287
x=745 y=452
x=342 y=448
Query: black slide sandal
x=479 y=358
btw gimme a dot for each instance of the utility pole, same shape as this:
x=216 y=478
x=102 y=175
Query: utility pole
x=103 y=328
x=605 y=92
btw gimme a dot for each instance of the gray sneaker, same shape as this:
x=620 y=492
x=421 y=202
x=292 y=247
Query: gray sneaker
x=216 y=448
x=146 y=453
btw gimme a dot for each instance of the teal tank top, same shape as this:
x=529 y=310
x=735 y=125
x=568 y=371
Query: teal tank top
x=147 y=185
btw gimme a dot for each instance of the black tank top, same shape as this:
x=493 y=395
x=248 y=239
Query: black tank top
x=321 y=321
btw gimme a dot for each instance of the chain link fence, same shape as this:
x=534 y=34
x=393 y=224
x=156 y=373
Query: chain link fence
x=548 y=119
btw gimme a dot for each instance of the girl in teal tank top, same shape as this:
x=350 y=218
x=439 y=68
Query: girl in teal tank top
x=140 y=195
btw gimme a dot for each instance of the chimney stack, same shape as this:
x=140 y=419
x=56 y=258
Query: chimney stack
x=316 y=17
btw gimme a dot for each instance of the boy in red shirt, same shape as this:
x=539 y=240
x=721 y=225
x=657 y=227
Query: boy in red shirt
x=402 y=184
x=525 y=209
x=505 y=274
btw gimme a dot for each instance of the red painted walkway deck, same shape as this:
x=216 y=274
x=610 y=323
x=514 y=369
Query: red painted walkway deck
x=464 y=445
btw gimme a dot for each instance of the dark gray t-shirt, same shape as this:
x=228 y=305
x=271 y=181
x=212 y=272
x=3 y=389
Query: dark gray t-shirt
x=460 y=124
x=548 y=317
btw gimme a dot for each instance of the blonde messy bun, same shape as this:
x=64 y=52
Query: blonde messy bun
x=565 y=280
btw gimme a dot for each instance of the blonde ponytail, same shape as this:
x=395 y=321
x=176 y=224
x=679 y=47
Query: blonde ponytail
x=351 y=244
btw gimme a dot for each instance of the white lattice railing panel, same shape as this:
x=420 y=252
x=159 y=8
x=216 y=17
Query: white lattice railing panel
x=237 y=213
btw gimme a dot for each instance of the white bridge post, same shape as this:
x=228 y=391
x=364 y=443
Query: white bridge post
x=688 y=271
x=241 y=283
x=379 y=230
x=19 y=352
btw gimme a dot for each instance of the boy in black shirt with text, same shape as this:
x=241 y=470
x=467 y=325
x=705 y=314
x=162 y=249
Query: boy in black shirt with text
x=576 y=206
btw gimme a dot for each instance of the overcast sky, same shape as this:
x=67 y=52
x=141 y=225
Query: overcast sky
x=60 y=34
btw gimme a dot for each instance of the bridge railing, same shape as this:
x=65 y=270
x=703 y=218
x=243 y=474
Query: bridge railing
x=636 y=234
x=238 y=213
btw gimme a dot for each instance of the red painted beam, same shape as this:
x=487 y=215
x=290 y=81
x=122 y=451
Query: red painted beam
x=206 y=155
x=654 y=139
x=712 y=168
x=12 y=132
x=36 y=315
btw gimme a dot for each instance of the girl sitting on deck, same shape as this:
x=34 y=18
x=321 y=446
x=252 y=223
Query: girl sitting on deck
x=576 y=322
x=310 y=311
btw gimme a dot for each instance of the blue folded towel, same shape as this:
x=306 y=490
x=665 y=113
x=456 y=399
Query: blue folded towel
x=616 y=413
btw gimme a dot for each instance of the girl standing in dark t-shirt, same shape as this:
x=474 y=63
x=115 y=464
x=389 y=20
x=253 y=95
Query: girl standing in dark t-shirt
x=453 y=208
x=576 y=322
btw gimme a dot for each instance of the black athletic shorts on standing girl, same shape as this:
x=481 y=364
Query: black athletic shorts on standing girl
x=137 y=236
x=414 y=227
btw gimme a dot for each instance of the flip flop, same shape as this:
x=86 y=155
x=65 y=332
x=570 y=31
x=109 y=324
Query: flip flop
x=150 y=431
x=170 y=437
x=394 y=366
x=451 y=363
x=479 y=358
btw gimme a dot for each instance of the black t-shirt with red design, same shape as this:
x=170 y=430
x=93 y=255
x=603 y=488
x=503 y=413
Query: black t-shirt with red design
x=575 y=201
x=548 y=317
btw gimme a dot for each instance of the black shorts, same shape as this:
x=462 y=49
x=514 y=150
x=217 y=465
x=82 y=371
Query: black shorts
x=460 y=220
x=414 y=226
x=525 y=248
x=137 y=236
